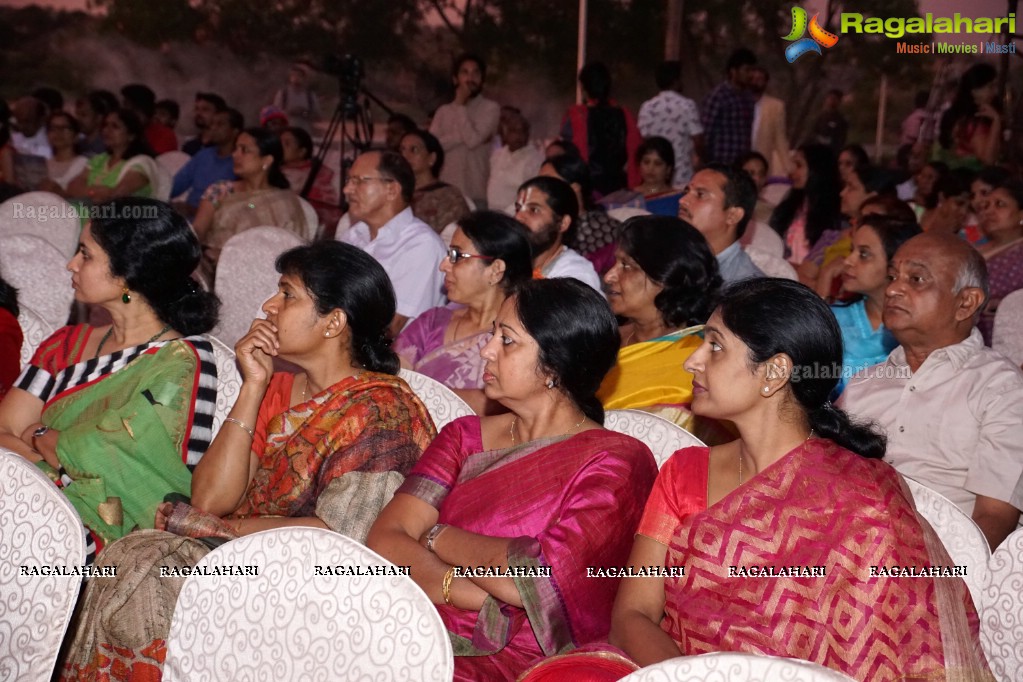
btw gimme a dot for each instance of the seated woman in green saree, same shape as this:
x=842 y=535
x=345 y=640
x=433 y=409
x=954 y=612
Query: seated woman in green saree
x=663 y=284
x=118 y=416
x=326 y=448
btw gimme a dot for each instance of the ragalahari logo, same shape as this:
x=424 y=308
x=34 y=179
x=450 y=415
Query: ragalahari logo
x=818 y=36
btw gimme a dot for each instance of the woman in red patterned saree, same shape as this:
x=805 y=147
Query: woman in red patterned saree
x=789 y=534
x=325 y=448
x=529 y=499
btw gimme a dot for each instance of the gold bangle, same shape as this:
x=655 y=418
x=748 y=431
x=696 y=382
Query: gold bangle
x=241 y=424
x=445 y=586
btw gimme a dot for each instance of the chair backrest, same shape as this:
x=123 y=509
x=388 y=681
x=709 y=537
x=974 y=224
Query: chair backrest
x=623 y=213
x=772 y=266
x=312 y=221
x=34 y=330
x=173 y=161
x=344 y=224
x=444 y=406
x=45 y=215
x=38 y=271
x=298 y=619
x=246 y=277
x=1001 y=621
x=39 y=530
x=1007 y=336
x=963 y=539
x=727 y=666
x=660 y=435
x=761 y=236
x=229 y=381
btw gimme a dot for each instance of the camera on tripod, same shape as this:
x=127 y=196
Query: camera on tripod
x=349 y=71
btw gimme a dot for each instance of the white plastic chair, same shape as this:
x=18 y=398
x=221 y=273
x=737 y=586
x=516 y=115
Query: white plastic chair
x=442 y=403
x=625 y=212
x=38 y=271
x=1007 y=337
x=660 y=435
x=173 y=161
x=291 y=622
x=246 y=277
x=762 y=237
x=963 y=539
x=38 y=529
x=229 y=381
x=344 y=224
x=735 y=667
x=1001 y=621
x=772 y=266
x=312 y=221
x=45 y=215
x=34 y=330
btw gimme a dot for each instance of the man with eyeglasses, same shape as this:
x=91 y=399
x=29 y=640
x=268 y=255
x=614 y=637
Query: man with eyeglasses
x=379 y=191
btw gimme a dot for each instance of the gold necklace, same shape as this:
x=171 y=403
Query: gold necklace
x=106 y=337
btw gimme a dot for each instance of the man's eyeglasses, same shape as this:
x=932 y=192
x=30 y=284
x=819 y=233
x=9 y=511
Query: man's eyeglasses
x=359 y=180
x=454 y=255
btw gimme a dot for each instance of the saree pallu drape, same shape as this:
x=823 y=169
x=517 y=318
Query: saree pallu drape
x=456 y=364
x=821 y=506
x=338 y=456
x=569 y=503
x=131 y=424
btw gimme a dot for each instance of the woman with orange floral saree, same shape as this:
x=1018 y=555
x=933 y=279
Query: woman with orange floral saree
x=326 y=448
x=789 y=535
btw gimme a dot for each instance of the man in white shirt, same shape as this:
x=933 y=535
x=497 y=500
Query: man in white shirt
x=675 y=118
x=952 y=407
x=465 y=128
x=513 y=163
x=29 y=135
x=378 y=192
x=548 y=208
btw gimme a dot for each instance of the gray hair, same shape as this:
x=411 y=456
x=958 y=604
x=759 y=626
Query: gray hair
x=972 y=274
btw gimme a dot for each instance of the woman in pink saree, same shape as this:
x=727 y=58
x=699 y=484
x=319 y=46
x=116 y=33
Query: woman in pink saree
x=797 y=539
x=528 y=500
x=489 y=256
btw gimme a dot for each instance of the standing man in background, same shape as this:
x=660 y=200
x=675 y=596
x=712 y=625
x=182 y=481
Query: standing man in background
x=675 y=118
x=769 y=136
x=465 y=128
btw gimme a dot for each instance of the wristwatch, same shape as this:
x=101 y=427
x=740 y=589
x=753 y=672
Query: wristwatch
x=39 y=433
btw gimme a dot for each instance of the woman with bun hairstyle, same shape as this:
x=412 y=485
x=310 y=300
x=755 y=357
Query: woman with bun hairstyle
x=325 y=447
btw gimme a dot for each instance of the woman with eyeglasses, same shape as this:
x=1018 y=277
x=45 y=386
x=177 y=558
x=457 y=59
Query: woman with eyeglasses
x=489 y=257
x=62 y=130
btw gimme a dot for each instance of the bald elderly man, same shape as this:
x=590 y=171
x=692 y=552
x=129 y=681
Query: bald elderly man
x=952 y=407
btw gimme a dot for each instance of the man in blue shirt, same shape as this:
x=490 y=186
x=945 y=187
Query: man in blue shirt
x=212 y=163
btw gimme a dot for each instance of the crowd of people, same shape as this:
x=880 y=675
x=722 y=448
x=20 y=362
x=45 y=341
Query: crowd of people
x=493 y=264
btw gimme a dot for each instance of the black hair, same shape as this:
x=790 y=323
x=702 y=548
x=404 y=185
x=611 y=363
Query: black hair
x=667 y=74
x=5 y=122
x=573 y=170
x=1013 y=186
x=303 y=139
x=138 y=145
x=403 y=120
x=9 y=298
x=893 y=232
x=51 y=97
x=740 y=57
x=102 y=102
x=152 y=247
x=931 y=199
x=396 y=167
x=752 y=155
x=432 y=146
x=662 y=148
x=772 y=316
x=560 y=198
x=820 y=194
x=860 y=157
x=577 y=335
x=469 y=57
x=140 y=97
x=954 y=183
x=567 y=147
x=236 y=120
x=269 y=144
x=991 y=175
x=963 y=106
x=921 y=98
x=891 y=206
x=71 y=120
x=740 y=192
x=218 y=102
x=497 y=235
x=676 y=256
x=342 y=276
x=595 y=78
x=171 y=107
